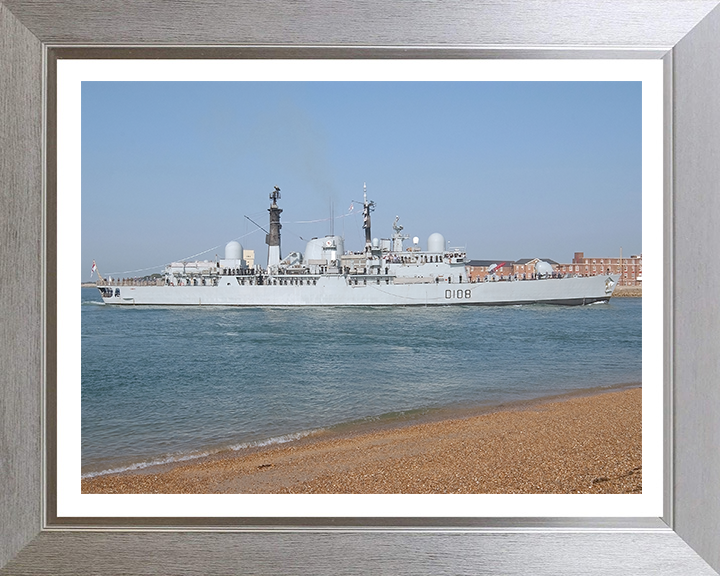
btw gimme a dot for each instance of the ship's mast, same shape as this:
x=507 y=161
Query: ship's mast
x=397 y=237
x=272 y=239
x=367 y=208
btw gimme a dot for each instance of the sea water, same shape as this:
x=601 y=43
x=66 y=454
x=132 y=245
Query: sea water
x=162 y=384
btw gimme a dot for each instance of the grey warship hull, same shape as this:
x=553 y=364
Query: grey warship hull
x=343 y=291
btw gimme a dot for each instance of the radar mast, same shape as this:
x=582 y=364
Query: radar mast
x=272 y=239
x=397 y=236
x=368 y=206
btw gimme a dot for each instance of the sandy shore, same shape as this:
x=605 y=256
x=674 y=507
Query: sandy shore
x=588 y=444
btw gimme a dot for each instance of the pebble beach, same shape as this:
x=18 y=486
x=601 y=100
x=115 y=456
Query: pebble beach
x=576 y=445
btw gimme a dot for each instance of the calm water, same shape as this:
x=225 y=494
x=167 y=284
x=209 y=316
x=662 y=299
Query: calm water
x=168 y=383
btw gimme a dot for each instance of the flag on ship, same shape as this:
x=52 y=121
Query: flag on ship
x=94 y=269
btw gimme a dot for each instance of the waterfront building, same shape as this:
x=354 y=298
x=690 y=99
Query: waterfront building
x=630 y=269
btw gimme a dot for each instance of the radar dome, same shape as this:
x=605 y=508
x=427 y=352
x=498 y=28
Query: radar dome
x=543 y=268
x=436 y=242
x=233 y=251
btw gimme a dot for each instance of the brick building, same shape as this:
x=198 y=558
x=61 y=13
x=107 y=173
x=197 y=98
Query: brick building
x=630 y=269
x=478 y=269
x=522 y=269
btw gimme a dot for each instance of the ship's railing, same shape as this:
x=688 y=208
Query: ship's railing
x=131 y=282
x=522 y=277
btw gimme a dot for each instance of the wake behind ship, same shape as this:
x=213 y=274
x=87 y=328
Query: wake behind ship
x=384 y=273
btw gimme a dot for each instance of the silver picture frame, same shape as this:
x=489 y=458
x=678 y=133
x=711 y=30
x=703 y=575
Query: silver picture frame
x=685 y=34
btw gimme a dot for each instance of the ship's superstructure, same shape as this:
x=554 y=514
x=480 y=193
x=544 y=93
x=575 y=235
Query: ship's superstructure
x=384 y=273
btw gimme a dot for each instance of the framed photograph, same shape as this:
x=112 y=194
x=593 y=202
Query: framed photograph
x=673 y=530
x=273 y=396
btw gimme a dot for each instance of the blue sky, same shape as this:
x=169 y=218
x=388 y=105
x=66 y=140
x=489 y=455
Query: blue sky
x=507 y=170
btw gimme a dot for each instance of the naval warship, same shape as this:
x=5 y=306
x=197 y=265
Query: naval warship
x=383 y=273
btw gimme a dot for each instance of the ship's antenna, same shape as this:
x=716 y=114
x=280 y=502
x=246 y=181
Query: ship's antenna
x=275 y=195
x=256 y=224
x=332 y=218
x=397 y=227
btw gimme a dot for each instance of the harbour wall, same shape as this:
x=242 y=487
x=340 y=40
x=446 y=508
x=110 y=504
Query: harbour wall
x=628 y=292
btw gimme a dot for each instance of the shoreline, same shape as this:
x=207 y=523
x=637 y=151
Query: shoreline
x=351 y=428
x=584 y=441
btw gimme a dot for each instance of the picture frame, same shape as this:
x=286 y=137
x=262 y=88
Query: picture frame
x=686 y=35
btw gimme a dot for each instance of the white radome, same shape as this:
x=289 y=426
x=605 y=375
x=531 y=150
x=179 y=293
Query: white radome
x=233 y=250
x=436 y=243
x=542 y=268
